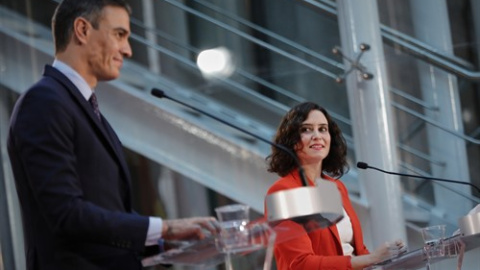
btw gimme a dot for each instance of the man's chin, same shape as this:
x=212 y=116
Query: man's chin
x=110 y=77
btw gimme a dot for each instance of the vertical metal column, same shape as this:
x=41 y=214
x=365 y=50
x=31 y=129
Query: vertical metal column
x=5 y=238
x=370 y=112
x=440 y=90
x=150 y=35
x=475 y=9
x=168 y=192
x=11 y=234
x=6 y=254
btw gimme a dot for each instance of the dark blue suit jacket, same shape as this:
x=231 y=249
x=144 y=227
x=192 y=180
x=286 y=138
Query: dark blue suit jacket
x=72 y=182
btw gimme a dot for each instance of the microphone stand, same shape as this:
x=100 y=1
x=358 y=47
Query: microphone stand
x=161 y=94
x=363 y=165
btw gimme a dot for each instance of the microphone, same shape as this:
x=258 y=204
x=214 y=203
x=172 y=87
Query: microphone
x=363 y=165
x=161 y=94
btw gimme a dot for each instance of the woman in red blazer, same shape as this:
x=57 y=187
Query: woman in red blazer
x=308 y=130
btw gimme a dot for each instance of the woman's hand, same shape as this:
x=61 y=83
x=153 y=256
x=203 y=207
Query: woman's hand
x=389 y=250
x=384 y=252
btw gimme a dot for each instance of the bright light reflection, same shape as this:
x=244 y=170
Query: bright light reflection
x=215 y=62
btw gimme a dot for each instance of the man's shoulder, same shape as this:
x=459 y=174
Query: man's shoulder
x=44 y=89
x=45 y=96
x=49 y=84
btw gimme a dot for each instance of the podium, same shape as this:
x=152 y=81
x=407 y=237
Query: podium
x=417 y=259
x=253 y=243
x=257 y=239
x=313 y=208
x=451 y=247
x=262 y=235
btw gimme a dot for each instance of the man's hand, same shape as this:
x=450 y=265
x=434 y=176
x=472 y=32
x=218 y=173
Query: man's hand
x=189 y=228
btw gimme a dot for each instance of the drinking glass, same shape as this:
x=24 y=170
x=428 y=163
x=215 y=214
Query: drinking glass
x=433 y=239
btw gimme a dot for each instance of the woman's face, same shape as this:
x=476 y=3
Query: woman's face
x=314 y=144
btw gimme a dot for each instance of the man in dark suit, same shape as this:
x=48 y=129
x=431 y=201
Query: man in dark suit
x=71 y=176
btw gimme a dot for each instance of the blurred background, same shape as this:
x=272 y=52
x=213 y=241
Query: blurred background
x=400 y=77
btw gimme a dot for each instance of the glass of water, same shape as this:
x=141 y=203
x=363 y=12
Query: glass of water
x=433 y=237
x=233 y=221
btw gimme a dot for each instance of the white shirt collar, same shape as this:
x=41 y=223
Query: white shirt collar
x=74 y=77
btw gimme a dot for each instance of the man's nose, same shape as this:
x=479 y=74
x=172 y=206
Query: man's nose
x=127 y=50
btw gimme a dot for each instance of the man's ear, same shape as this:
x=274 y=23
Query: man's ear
x=81 y=29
